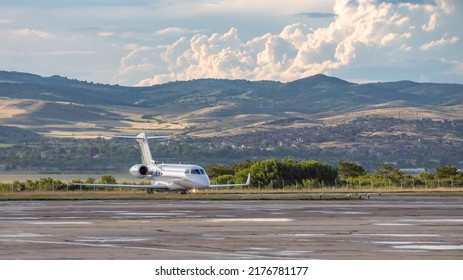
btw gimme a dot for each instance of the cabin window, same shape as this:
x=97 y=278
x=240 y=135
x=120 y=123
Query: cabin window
x=187 y=171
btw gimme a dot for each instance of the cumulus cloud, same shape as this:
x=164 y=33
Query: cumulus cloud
x=297 y=51
x=134 y=64
x=431 y=25
x=26 y=32
x=405 y=48
x=445 y=40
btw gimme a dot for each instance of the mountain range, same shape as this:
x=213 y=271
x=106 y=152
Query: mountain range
x=57 y=106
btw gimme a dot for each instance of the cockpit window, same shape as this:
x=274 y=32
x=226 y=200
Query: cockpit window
x=199 y=171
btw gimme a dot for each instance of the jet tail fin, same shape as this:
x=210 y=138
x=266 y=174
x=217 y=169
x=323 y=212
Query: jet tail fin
x=142 y=139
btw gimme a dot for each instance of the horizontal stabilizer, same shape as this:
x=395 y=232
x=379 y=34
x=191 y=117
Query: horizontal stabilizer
x=142 y=139
x=138 y=136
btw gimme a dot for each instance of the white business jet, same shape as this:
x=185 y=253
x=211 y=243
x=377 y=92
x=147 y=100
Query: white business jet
x=163 y=176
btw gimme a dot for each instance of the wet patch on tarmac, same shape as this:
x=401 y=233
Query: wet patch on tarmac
x=383 y=228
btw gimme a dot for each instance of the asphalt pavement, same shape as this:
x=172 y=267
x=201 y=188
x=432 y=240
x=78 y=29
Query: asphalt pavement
x=386 y=227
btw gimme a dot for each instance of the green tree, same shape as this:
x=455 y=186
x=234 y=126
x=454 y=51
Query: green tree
x=225 y=179
x=216 y=170
x=107 y=179
x=425 y=176
x=46 y=183
x=90 y=180
x=349 y=170
x=446 y=171
x=265 y=172
x=243 y=165
x=288 y=171
x=390 y=173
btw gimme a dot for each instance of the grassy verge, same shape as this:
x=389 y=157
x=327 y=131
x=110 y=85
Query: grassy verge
x=321 y=194
x=123 y=195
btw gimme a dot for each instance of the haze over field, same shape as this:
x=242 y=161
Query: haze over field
x=148 y=42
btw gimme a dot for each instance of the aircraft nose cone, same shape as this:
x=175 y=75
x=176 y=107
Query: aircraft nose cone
x=203 y=181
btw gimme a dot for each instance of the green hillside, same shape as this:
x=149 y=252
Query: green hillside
x=216 y=120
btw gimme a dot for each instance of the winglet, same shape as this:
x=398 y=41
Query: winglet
x=248 y=181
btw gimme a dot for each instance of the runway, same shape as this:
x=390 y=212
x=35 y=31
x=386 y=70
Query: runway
x=381 y=228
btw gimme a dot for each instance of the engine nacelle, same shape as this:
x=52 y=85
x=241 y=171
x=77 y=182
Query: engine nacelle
x=139 y=171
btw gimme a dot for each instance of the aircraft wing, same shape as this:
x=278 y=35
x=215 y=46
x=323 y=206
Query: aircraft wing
x=156 y=186
x=248 y=182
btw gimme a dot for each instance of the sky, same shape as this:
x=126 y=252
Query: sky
x=147 y=42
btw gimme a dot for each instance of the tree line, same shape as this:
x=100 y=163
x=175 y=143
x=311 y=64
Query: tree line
x=274 y=173
x=314 y=174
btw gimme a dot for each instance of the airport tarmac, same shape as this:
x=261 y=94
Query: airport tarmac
x=400 y=227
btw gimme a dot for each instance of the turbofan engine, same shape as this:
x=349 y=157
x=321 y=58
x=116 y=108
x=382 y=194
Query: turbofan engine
x=139 y=171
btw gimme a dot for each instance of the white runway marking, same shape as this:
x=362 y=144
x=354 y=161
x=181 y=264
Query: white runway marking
x=393 y=224
x=405 y=242
x=398 y=234
x=148 y=214
x=59 y=223
x=434 y=220
x=272 y=220
x=430 y=247
x=303 y=234
x=112 y=239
